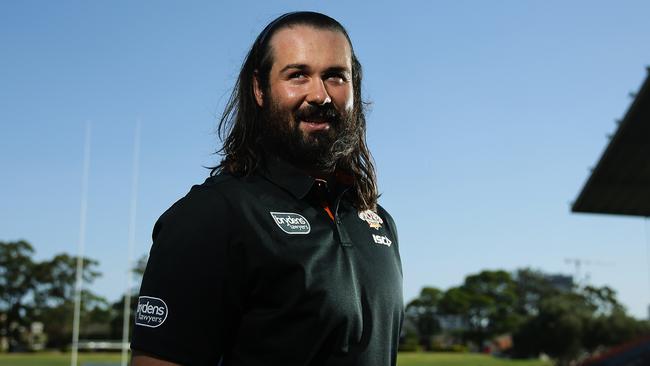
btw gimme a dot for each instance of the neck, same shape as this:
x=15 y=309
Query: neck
x=310 y=167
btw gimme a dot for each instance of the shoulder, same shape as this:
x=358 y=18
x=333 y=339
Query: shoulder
x=191 y=262
x=206 y=208
x=389 y=223
x=383 y=213
x=202 y=201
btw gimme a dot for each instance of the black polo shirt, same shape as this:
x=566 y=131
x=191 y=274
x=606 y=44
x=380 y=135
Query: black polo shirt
x=253 y=271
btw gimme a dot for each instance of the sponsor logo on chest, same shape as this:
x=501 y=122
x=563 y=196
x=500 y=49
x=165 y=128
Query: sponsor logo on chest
x=291 y=223
x=151 y=312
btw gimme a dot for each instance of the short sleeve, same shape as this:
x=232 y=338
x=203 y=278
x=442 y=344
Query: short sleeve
x=392 y=230
x=188 y=297
x=390 y=223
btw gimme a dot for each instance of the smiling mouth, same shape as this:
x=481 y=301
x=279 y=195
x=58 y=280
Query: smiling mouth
x=317 y=125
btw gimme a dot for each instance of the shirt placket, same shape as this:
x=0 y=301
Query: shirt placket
x=323 y=194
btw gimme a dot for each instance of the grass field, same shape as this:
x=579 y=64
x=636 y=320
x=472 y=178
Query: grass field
x=461 y=359
x=58 y=359
x=404 y=359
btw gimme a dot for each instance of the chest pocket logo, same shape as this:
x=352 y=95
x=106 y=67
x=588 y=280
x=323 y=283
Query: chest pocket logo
x=291 y=223
x=373 y=220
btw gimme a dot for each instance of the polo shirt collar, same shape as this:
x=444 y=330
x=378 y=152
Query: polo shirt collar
x=294 y=180
x=287 y=176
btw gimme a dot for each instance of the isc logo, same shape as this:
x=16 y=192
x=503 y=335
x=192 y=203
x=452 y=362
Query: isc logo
x=380 y=239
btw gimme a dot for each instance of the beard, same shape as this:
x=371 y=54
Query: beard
x=316 y=150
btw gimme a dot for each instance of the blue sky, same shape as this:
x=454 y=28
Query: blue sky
x=485 y=119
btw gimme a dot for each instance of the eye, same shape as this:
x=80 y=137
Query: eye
x=338 y=78
x=296 y=75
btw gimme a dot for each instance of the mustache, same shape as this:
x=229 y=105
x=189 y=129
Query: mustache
x=326 y=112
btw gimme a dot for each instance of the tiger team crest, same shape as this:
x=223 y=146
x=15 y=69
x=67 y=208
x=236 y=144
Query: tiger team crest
x=373 y=220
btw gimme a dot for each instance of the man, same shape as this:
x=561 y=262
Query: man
x=282 y=256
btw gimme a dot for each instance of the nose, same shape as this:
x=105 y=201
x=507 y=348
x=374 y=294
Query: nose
x=318 y=93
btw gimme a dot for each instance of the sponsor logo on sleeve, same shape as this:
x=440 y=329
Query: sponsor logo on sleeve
x=373 y=220
x=380 y=239
x=291 y=223
x=151 y=312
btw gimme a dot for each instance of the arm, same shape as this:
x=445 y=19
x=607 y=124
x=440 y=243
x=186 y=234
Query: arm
x=185 y=310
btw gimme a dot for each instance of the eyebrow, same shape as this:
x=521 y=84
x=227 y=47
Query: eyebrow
x=294 y=66
x=338 y=69
x=332 y=69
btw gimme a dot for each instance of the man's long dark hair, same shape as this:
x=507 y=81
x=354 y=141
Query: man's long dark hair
x=240 y=124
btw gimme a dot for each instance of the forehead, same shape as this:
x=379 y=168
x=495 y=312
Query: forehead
x=315 y=47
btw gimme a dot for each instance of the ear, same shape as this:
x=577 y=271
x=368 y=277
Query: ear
x=257 y=90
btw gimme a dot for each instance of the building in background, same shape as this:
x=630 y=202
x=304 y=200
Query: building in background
x=620 y=182
x=620 y=185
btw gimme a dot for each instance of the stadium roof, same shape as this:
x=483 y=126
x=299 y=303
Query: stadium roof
x=620 y=182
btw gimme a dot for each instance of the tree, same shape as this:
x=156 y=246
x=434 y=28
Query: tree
x=56 y=278
x=54 y=298
x=557 y=329
x=531 y=287
x=44 y=291
x=486 y=301
x=610 y=325
x=610 y=330
x=423 y=312
x=16 y=283
x=582 y=320
x=601 y=299
x=95 y=316
x=544 y=313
